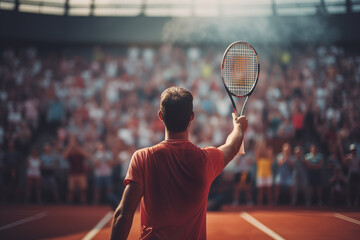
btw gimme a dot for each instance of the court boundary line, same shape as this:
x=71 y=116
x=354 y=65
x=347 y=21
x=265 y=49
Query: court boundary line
x=98 y=226
x=24 y=220
x=349 y=219
x=250 y=219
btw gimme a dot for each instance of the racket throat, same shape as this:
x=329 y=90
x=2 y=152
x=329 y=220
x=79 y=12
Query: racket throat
x=244 y=106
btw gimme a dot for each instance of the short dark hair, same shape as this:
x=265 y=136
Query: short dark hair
x=176 y=106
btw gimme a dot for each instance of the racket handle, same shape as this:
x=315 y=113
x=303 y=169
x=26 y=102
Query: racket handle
x=242 y=149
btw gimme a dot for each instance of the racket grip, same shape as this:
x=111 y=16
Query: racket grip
x=242 y=149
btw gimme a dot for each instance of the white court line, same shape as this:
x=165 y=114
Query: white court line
x=24 y=220
x=98 y=226
x=260 y=226
x=343 y=217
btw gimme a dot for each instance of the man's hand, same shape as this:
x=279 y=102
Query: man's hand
x=240 y=122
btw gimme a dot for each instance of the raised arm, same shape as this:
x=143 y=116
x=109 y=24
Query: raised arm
x=235 y=138
x=67 y=151
x=83 y=152
x=124 y=214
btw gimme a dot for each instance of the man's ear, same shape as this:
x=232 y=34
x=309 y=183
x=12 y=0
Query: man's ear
x=160 y=115
x=192 y=116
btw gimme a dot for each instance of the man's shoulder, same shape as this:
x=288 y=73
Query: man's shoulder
x=164 y=147
x=148 y=150
x=210 y=149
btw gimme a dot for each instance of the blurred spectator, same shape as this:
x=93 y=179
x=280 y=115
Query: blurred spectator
x=124 y=159
x=264 y=176
x=311 y=122
x=61 y=134
x=102 y=162
x=298 y=123
x=314 y=163
x=2 y=134
x=31 y=107
x=55 y=114
x=48 y=167
x=353 y=164
x=119 y=170
x=330 y=164
x=23 y=138
x=62 y=171
x=274 y=121
x=78 y=165
x=299 y=176
x=243 y=176
x=14 y=113
x=33 y=176
x=2 y=158
x=286 y=130
x=338 y=185
x=283 y=178
x=12 y=160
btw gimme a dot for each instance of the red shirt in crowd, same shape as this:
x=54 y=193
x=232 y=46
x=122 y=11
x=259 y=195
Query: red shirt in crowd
x=76 y=162
x=298 y=120
x=176 y=176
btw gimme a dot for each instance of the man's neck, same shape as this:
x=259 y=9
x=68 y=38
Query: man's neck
x=180 y=135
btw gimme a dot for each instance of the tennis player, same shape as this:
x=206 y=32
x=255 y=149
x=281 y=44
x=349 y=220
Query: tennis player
x=172 y=179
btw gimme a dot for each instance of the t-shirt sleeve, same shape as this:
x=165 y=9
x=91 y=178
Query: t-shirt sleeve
x=216 y=159
x=135 y=172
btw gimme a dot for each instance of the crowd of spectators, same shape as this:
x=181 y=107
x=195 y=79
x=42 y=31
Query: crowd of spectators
x=96 y=106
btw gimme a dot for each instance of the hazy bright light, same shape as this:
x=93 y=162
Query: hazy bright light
x=7 y=5
x=61 y=2
x=117 y=11
x=182 y=8
x=118 y=2
x=296 y=1
x=336 y=9
x=166 y=12
x=52 y=10
x=296 y=11
x=79 y=11
x=80 y=2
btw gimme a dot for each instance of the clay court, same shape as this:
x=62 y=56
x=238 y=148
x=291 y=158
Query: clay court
x=80 y=87
x=89 y=222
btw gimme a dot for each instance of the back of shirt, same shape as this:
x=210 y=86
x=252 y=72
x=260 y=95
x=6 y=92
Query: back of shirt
x=176 y=176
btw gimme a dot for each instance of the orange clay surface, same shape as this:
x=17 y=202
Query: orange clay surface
x=75 y=222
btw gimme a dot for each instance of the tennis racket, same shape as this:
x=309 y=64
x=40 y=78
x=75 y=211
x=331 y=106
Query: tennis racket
x=240 y=70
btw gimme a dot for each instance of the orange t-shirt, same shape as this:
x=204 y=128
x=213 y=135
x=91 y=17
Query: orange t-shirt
x=176 y=176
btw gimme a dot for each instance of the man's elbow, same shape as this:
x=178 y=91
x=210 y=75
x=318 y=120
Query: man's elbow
x=119 y=217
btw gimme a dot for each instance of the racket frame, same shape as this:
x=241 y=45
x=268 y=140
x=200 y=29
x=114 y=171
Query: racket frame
x=253 y=87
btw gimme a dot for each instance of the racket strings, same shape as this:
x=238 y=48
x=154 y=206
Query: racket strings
x=240 y=69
